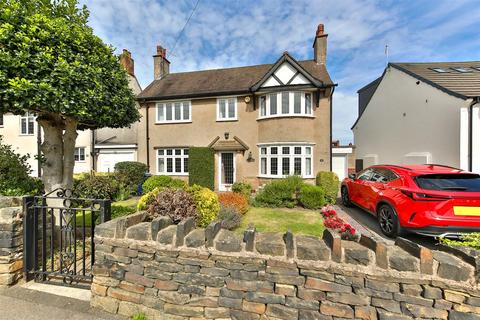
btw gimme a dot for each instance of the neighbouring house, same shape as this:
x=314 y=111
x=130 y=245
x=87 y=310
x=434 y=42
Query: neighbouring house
x=94 y=149
x=263 y=121
x=343 y=159
x=418 y=113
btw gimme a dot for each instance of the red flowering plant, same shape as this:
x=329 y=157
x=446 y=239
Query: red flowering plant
x=332 y=221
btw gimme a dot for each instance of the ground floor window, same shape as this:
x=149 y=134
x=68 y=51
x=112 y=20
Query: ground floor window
x=172 y=161
x=79 y=154
x=278 y=161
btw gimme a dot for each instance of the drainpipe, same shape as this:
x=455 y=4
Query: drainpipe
x=470 y=133
x=331 y=123
x=147 y=135
x=92 y=150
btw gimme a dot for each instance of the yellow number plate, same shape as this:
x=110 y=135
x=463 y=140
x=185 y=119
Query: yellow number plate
x=466 y=211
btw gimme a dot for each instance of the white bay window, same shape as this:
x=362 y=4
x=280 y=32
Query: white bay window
x=278 y=161
x=172 y=161
x=287 y=103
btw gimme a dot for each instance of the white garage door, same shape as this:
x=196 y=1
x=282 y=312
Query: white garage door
x=339 y=166
x=107 y=161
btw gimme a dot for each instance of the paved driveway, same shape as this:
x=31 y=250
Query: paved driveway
x=369 y=222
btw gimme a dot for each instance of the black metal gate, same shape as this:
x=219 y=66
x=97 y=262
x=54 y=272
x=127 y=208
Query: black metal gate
x=58 y=237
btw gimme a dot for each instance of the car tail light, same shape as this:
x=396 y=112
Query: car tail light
x=424 y=196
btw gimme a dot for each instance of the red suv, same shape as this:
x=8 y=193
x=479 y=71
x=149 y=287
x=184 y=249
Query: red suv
x=427 y=199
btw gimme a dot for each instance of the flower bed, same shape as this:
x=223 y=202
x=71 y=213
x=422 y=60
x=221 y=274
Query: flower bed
x=332 y=221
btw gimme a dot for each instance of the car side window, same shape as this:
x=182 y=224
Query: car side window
x=383 y=175
x=365 y=175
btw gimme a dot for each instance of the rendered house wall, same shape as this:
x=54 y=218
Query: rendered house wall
x=403 y=118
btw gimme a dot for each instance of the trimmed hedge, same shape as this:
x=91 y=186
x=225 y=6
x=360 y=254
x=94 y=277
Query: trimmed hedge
x=131 y=173
x=311 y=197
x=280 y=193
x=201 y=167
x=329 y=182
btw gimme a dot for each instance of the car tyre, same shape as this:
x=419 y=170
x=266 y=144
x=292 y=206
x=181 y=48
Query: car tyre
x=388 y=221
x=346 y=197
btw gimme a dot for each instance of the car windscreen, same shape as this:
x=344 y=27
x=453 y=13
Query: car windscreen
x=449 y=182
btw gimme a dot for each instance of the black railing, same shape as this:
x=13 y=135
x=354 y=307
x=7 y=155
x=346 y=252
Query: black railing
x=59 y=236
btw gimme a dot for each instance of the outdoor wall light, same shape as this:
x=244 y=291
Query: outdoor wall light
x=250 y=157
x=227 y=134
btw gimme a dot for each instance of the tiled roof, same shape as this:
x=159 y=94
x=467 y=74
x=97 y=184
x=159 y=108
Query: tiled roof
x=220 y=81
x=461 y=84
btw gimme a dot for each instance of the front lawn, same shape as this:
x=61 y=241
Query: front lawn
x=119 y=208
x=298 y=221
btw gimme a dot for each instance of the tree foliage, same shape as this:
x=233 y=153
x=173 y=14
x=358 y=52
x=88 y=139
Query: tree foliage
x=54 y=66
x=52 y=63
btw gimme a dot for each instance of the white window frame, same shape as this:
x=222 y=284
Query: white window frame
x=291 y=155
x=80 y=160
x=227 y=118
x=27 y=117
x=183 y=155
x=264 y=113
x=172 y=103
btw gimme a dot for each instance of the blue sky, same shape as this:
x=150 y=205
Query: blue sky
x=229 y=33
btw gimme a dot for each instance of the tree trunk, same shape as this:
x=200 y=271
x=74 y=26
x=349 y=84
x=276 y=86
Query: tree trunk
x=52 y=149
x=69 y=138
x=58 y=148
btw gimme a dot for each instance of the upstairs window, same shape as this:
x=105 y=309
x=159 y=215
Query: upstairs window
x=227 y=109
x=175 y=111
x=79 y=154
x=27 y=124
x=287 y=103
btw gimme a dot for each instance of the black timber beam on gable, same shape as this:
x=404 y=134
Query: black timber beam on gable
x=287 y=58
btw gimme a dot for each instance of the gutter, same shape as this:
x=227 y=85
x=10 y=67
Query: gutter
x=147 y=132
x=470 y=132
x=331 y=123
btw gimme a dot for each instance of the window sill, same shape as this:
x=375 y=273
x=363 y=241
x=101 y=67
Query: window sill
x=285 y=116
x=282 y=177
x=173 y=122
x=26 y=135
x=83 y=161
x=227 y=120
x=172 y=174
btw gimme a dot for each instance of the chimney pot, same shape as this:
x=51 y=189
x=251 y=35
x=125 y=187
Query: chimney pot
x=320 y=29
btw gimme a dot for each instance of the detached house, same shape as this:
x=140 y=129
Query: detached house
x=418 y=113
x=263 y=122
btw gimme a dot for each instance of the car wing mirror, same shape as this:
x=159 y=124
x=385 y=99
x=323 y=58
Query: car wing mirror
x=352 y=176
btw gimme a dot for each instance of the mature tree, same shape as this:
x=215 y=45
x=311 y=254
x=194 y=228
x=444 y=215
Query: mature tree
x=52 y=64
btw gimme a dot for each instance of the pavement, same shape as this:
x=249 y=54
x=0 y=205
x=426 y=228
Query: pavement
x=366 y=223
x=23 y=303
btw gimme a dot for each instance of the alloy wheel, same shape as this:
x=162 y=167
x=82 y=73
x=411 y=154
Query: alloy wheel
x=386 y=219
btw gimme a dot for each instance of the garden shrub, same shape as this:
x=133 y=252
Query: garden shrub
x=330 y=184
x=147 y=199
x=230 y=218
x=131 y=173
x=93 y=186
x=14 y=174
x=162 y=181
x=207 y=204
x=234 y=200
x=201 y=167
x=311 y=197
x=174 y=203
x=280 y=193
x=471 y=240
x=242 y=188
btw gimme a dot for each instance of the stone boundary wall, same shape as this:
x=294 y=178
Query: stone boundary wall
x=179 y=272
x=11 y=240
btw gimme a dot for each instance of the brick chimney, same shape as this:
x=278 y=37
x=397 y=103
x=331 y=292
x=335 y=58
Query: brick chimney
x=161 y=65
x=127 y=62
x=320 y=45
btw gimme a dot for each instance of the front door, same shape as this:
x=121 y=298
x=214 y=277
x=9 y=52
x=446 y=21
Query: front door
x=226 y=176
